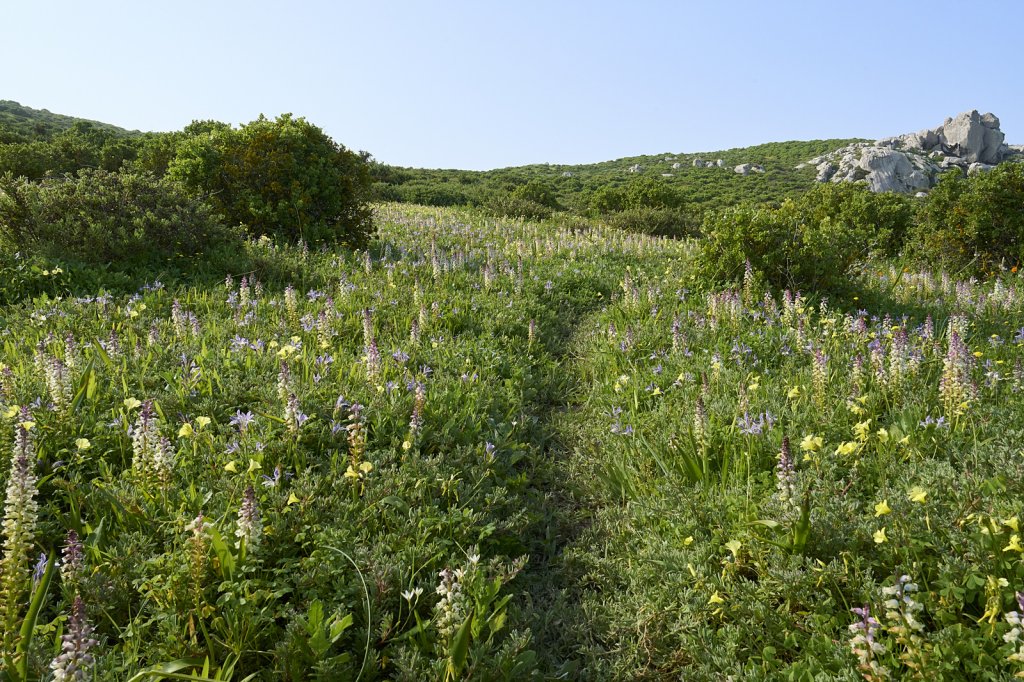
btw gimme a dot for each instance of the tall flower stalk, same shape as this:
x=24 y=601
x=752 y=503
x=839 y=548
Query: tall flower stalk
x=74 y=661
x=21 y=511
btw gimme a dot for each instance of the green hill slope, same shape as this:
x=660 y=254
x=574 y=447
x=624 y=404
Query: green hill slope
x=19 y=123
x=574 y=184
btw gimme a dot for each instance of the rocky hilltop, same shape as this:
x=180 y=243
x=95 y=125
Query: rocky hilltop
x=913 y=162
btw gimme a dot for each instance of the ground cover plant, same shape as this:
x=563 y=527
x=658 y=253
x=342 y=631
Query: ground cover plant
x=486 y=448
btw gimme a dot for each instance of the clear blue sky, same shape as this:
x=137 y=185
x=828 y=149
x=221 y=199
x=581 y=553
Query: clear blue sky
x=485 y=84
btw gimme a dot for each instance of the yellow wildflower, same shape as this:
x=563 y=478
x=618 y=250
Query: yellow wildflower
x=793 y=393
x=1011 y=522
x=292 y=499
x=716 y=599
x=185 y=431
x=812 y=443
x=882 y=508
x=203 y=422
x=917 y=494
x=879 y=536
x=862 y=430
x=131 y=403
x=1014 y=545
x=253 y=466
x=848 y=448
x=230 y=466
x=83 y=444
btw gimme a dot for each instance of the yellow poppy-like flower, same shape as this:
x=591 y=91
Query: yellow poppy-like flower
x=882 y=508
x=27 y=425
x=917 y=494
x=978 y=354
x=406 y=445
x=83 y=444
x=231 y=466
x=1011 y=522
x=1014 y=545
x=657 y=390
x=754 y=386
x=848 y=448
x=253 y=466
x=879 y=536
x=366 y=467
x=883 y=435
x=351 y=472
x=716 y=599
x=12 y=411
x=296 y=340
x=203 y=422
x=812 y=443
x=185 y=431
x=292 y=499
x=688 y=541
x=734 y=547
x=905 y=440
x=131 y=403
x=862 y=430
x=793 y=393
x=273 y=344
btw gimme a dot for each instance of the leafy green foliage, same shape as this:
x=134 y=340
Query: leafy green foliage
x=975 y=222
x=98 y=217
x=281 y=177
x=788 y=249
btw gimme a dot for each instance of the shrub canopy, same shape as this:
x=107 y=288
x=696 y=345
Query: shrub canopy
x=282 y=177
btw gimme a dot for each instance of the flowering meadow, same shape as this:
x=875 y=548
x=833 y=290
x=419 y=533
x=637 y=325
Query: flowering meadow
x=490 y=449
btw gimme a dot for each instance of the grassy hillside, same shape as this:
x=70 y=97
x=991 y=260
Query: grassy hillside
x=574 y=185
x=19 y=123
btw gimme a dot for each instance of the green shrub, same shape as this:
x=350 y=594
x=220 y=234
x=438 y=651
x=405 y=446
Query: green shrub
x=787 y=246
x=511 y=206
x=283 y=178
x=98 y=217
x=974 y=223
x=882 y=219
x=536 y=192
x=661 y=222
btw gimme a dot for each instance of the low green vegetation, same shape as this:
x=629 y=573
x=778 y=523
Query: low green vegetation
x=258 y=429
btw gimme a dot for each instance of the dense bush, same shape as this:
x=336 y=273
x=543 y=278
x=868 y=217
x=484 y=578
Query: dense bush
x=881 y=218
x=788 y=246
x=661 y=222
x=975 y=222
x=282 y=177
x=83 y=145
x=100 y=217
x=511 y=206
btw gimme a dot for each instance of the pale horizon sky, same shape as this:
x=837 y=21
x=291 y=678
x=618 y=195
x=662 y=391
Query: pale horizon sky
x=480 y=85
